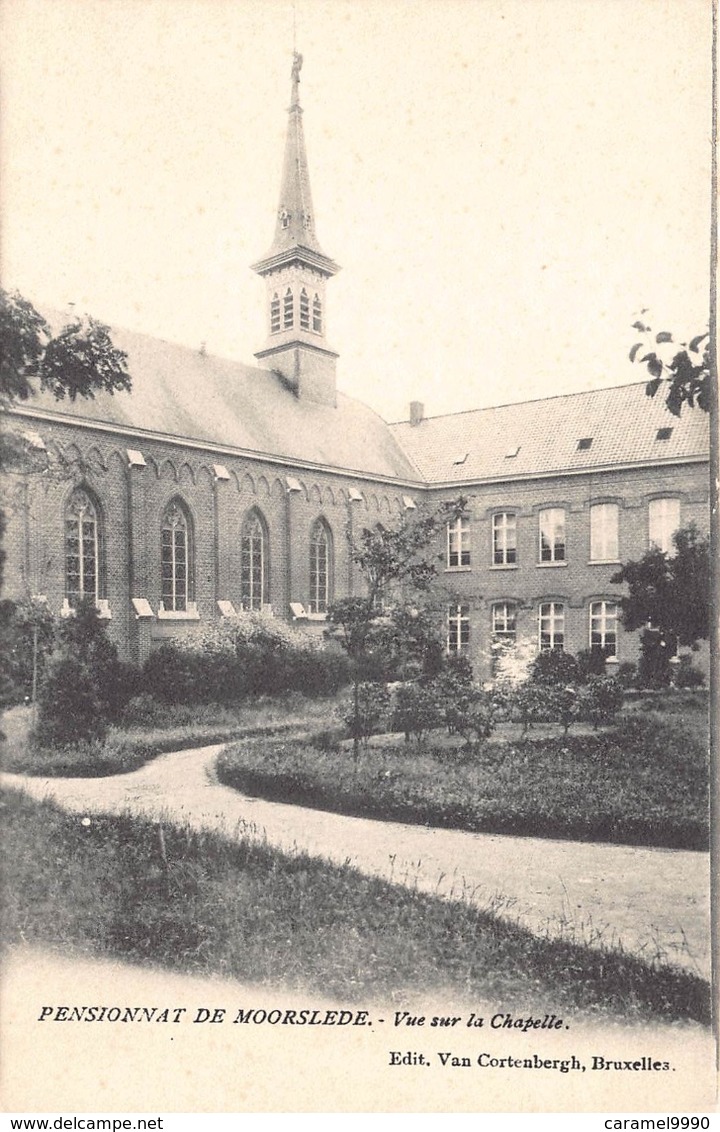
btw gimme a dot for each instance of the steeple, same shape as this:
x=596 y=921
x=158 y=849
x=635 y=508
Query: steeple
x=295 y=225
x=295 y=271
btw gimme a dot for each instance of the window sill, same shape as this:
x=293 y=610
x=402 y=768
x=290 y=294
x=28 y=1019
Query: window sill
x=142 y=608
x=317 y=616
x=189 y=614
x=549 y=565
x=458 y=569
x=505 y=566
x=604 y=562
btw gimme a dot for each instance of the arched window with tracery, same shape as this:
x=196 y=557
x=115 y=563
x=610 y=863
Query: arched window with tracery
x=320 y=567
x=176 y=558
x=82 y=549
x=254 y=556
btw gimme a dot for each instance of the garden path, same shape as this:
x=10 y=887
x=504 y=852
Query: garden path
x=653 y=902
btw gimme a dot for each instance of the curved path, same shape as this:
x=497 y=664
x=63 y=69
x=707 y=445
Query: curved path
x=652 y=902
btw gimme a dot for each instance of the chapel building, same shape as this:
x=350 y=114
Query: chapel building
x=216 y=487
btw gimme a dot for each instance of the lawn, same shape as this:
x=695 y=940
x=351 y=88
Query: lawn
x=195 y=902
x=157 y=729
x=644 y=781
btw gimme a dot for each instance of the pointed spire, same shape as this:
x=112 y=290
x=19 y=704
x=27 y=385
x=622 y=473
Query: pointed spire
x=295 y=225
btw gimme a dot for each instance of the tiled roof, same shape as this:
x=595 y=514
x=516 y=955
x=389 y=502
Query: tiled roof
x=179 y=392
x=543 y=437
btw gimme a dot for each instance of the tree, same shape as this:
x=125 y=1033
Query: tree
x=397 y=571
x=79 y=361
x=685 y=377
x=670 y=592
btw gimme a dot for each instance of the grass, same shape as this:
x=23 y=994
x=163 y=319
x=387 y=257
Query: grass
x=166 y=728
x=196 y=902
x=642 y=782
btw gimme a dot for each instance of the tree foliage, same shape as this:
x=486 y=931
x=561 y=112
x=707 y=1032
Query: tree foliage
x=684 y=374
x=390 y=620
x=79 y=361
x=671 y=592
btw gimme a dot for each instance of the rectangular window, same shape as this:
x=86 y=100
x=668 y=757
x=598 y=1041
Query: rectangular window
x=552 y=534
x=552 y=625
x=504 y=621
x=603 y=626
x=458 y=628
x=458 y=543
x=604 y=522
x=663 y=521
x=505 y=539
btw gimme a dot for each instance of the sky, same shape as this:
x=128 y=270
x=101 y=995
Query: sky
x=506 y=183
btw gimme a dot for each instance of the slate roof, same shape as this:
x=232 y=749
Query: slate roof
x=622 y=424
x=179 y=392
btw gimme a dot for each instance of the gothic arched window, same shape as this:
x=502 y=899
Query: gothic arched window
x=274 y=314
x=176 y=558
x=288 y=310
x=304 y=310
x=317 y=315
x=320 y=567
x=82 y=549
x=254 y=562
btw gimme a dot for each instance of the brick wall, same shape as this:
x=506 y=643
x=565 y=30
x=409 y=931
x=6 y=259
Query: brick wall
x=576 y=581
x=131 y=501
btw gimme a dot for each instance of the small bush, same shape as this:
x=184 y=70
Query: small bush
x=654 y=669
x=628 y=674
x=70 y=709
x=371 y=717
x=250 y=655
x=687 y=676
x=591 y=662
x=555 y=667
x=473 y=715
x=600 y=700
x=417 y=710
x=27 y=634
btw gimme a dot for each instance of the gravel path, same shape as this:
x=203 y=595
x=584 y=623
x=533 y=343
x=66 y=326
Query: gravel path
x=654 y=902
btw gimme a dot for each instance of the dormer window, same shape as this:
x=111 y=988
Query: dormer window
x=288 y=310
x=663 y=434
x=317 y=315
x=284 y=218
x=275 y=314
x=307 y=219
x=584 y=443
x=304 y=310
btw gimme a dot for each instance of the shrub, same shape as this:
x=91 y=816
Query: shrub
x=473 y=715
x=591 y=662
x=246 y=655
x=600 y=700
x=85 y=684
x=532 y=703
x=687 y=676
x=417 y=710
x=555 y=667
x=19 y=621
x=70 y=709
x=654 y=665
x=628 y=674
x=373 y=703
